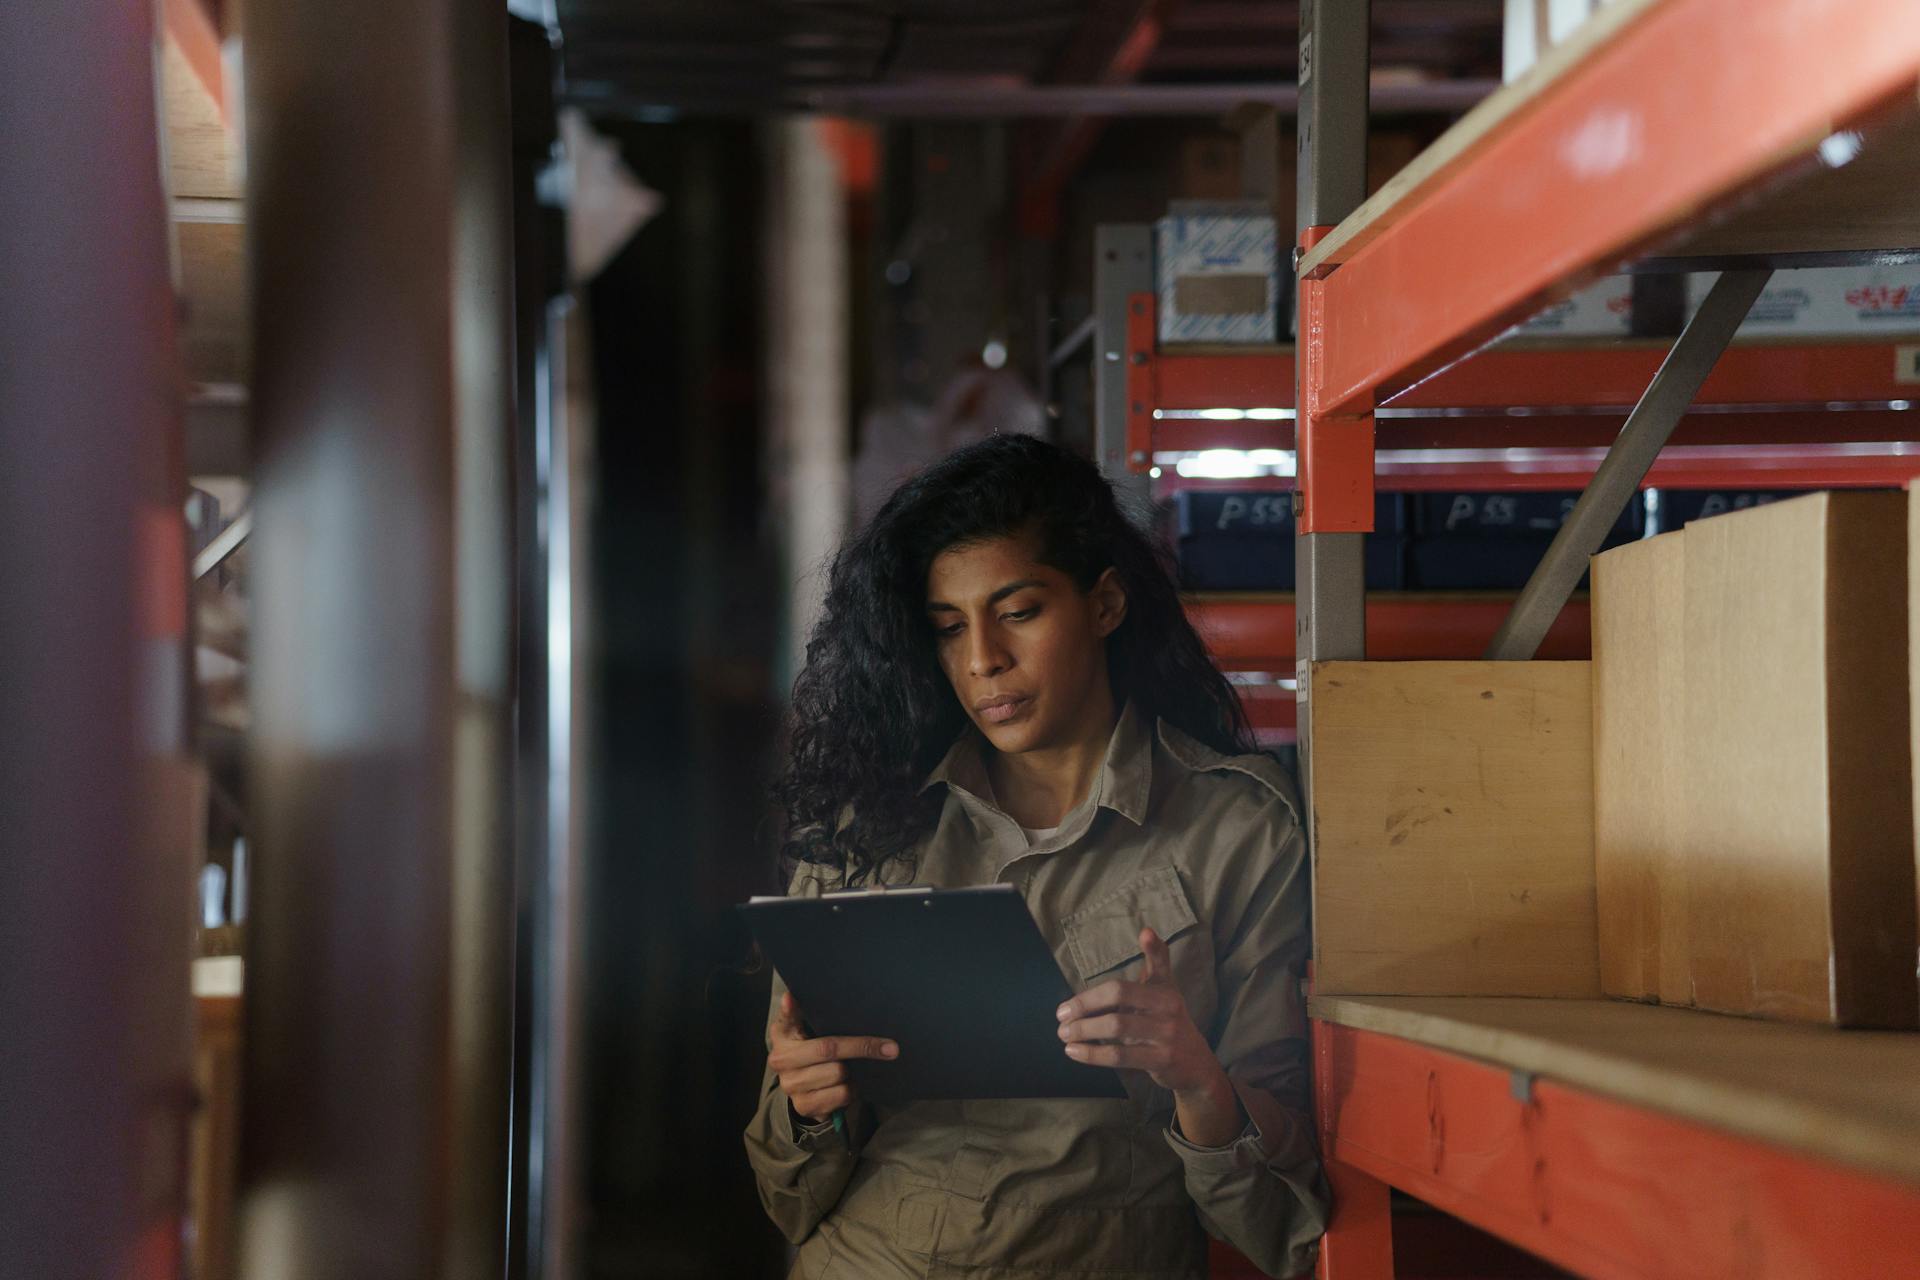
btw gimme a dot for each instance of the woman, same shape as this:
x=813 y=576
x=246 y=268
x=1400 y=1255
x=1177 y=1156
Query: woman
x=1004 y=688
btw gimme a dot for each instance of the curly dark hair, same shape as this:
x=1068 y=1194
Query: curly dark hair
x=873 y=712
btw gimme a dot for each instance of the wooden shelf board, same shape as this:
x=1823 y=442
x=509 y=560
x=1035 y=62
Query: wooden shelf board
x=1850 y=1097
x=1870 y=203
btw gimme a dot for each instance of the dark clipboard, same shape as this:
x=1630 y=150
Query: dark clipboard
x=960 y=978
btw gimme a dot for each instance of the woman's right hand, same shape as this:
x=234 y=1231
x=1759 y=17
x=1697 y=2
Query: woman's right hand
x=813 y=1073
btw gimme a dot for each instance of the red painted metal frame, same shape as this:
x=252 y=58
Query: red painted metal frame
x=1590 y=389
x=1335 y=442
x=1786 y=467
x=1601 y=1187
x=1686 y=109
x=1273 y=711
x=1813 y=373
x=1755 y=373
x=1142 y=389
x=1813 y=428
x=191 y=25
x=1256 y=632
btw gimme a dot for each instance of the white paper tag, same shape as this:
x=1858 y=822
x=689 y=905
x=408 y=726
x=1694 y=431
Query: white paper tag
x=1906 y=365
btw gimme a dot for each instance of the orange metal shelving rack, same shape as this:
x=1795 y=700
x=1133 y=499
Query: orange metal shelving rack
x=1664 y=120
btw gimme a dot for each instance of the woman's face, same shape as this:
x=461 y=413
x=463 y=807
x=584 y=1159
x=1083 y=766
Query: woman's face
x=1023 y=646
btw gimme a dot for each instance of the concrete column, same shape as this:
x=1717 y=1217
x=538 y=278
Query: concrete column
x=807 y=366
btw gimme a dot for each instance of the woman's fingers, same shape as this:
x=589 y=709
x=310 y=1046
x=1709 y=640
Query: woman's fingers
x=1157 y=966
x=1132 y=1057
x=813 y=1079
x=822 y=1103
x=786 y=1020
x=1127 y=1028
x=794 y=1054
x=1117 y=995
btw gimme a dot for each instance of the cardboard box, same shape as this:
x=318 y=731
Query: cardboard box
x=1534 y=26
x=1674 y=509
x=1242 y=540
x=1603 y=309
x=1219 y=274
x=1493 y=541
x=1453 y=829
x=1798 y=833
x=1209 y=168
x=1639 y=758
x=1829 y=302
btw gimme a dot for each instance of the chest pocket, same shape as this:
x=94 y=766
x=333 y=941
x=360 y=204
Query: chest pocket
x=1106 y=933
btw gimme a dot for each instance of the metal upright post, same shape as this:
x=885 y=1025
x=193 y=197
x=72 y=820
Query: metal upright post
x=1618 y=478
x=96 y=876
x=1334 y=498
x=1122 y=267
x=378 y=982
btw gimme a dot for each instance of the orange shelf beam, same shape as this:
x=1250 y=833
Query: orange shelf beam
x=1602 y=1188
x=1256 y=632
x=1685 y=110
x=191 y=25
x=1786 y=373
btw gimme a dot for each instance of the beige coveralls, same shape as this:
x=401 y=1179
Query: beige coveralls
x=1205 y=848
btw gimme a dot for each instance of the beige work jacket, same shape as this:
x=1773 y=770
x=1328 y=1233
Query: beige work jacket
x=1205 y=848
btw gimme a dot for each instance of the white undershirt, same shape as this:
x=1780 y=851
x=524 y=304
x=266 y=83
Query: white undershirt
x=1037 y=834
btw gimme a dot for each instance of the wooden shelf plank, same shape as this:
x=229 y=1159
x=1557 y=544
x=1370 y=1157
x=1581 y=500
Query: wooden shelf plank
x=1866 y=202
x=1851 y=1097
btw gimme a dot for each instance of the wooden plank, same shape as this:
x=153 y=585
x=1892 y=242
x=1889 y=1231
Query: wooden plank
x=1488 y=121
x=200 y=148
x=1870 y=202
x=1867 y=203
x=1848 y=1096
x=1798 y=839
x=1639 y=750
x=214 y=292
x=1453 y=828
x=215 y=1139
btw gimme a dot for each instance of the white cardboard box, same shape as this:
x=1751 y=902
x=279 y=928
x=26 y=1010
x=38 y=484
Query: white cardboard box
x=1858 y=302
x=1604 y=309
x=1219 y=275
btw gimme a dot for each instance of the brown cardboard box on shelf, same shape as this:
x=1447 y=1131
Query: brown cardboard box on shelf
x=1798 y=833
x=1453 y=829
x=1209 y=168
x=1639 y=753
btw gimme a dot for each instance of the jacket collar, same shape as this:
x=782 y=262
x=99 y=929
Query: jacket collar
x=1123 y=784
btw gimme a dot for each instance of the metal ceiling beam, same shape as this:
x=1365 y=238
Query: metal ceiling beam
x=996 y=102
x=1284 y=15
x=1227 y=56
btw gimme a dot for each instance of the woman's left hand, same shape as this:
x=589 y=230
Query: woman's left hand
x=1145 y=1026
x=1141 y=1025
